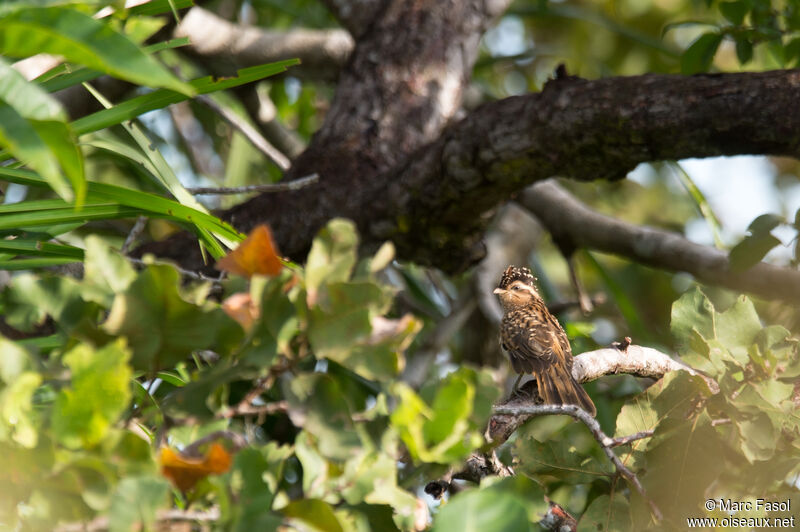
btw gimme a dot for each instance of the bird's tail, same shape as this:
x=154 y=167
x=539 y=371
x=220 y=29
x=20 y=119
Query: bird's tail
x=557 y=387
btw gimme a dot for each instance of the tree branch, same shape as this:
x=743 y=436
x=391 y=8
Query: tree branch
x=355 y=15
x=586 y=130
x=271 y=188
x=231 y=46
x=430 y=204
x=519 y=408
x=568 y=219
x=528 y=411
x=249 y=132
x=633 y=360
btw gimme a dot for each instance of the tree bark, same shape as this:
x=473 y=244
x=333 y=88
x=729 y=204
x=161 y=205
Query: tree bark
x=387 y=162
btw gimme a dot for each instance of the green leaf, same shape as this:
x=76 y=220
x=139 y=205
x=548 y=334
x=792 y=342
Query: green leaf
x=163 y=171
x=22 y=140
x=28 y=300
x=558 y=459
x=17 y=417
x=332 y=256
x=33 y=128
x=522 y=488
x=79 y=38
x=792 y=52
x=346 y=327
x=98 y=393
x=161 y=98
x=318 y=404
x=135 y=502
x=683 y=460
x=315 y=514
x=751 y=250
x=734 y=11
x=692 y=312
x=484 y=509
x=14 y=362
x=106 y=272
x=442 y=429
x=109 y=201
x=65 y=75
x=342 y=317
x=699 y=56
x=158 y=7
x=738 y=327
x=744 y=49
x=758 y=437
x=161 y=327
x=39 y=248
x=277 y=323
x=259 y=473
x=605 y=513
x=765 y=223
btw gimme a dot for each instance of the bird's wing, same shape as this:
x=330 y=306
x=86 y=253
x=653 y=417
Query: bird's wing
x=535 y=343
x=529 y=348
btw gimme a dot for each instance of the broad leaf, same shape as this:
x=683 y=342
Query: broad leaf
x=99 y=391
x=477 y=510
x=699 y=56
x=161 y=327
x=332 y=256
x=79 y=38
x=135 y=502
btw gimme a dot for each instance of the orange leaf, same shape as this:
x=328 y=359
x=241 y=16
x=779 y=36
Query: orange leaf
x=257 y=254
x=240 y=307
x=185 y=471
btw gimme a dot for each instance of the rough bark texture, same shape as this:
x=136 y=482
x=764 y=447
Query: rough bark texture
x=402 y=85
x=572 y=224
x=228 y=47
x=387 y=161
x=581 y=129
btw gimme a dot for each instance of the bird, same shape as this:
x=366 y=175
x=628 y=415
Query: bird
x=536 y=343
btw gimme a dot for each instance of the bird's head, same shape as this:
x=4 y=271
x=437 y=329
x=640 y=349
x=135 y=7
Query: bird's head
x=517 y=288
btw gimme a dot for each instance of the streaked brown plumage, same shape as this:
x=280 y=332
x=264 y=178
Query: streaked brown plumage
x=535 y=341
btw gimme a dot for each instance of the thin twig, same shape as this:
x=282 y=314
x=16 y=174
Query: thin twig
x=255 y=138
x=237 y=441
x=188 y=273
x=269 y=187
x=256 y=410
x=584 y=301
x=624 y=440
x=594 y=427
x=557 y=307
x=137 y=229
x=174 y=514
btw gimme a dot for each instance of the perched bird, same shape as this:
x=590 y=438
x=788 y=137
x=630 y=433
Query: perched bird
x=535 y=341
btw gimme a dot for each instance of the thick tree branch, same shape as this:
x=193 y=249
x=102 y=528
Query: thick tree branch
x=568 y=219
x=581 y=129
x=435 y=205
x=231 y=46
x=355 y=15
x=634 y=360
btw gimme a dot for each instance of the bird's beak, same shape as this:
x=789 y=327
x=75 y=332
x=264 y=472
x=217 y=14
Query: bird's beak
x=499 y=291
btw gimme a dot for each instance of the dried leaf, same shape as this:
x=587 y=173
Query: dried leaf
x=240 y=307
x=256 y=255
x=185 y=471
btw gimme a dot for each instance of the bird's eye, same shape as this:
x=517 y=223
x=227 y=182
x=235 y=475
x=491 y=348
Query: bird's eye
x=516 y=288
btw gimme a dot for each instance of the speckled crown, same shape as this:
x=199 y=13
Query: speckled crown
x=513 y=273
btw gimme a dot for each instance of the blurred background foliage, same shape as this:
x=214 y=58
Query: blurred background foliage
x=383 y=378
